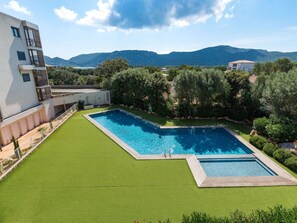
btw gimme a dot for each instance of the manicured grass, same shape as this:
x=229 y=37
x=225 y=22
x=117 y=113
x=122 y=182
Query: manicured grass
x=80 y=175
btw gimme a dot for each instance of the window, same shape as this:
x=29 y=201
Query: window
x=36 y=57
x=21 y=55
x=15 y=31
x=26 y=77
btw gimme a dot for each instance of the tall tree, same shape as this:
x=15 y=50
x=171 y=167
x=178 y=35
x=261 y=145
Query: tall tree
x=138 y=87
x=278 y=93
x=212 y=87
x=185 y=85
x=108 y=68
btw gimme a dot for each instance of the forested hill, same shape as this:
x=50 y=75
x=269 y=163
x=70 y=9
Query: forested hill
x=212 y=56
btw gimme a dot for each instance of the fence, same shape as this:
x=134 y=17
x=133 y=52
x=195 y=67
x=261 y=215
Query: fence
x=29 y=145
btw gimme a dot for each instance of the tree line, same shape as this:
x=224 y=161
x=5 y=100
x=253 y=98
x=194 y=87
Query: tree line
x=187 y=91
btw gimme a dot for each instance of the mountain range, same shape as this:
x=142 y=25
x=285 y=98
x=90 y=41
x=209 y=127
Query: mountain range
x=211 y=56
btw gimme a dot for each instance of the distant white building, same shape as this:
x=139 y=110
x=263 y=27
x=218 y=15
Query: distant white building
x=242 y=65
x=26 y=99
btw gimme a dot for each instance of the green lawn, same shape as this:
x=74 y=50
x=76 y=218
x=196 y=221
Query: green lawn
x=80 y=175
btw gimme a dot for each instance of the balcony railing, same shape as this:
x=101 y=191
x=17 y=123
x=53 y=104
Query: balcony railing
x=36 y=57
x=40 y=77
x=44 y=93
x=32 y=37
x=33 y=43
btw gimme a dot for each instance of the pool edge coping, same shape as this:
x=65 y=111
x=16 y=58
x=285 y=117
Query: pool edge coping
x=283 y=177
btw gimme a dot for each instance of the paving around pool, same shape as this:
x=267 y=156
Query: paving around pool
x=216 y=156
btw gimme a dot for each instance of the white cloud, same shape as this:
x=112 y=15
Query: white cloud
x=98 y=16
x=66 y=14
x=15 y=6
x=229 y=16
x=110 y=15
x=220 y=8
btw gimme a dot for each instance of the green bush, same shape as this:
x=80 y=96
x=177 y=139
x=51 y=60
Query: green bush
x=258 y=141
x=282 y=155
x=260 y=125
x=80 y=105
x=281 y=132
x=292 y=163
x=269 y=149
x=272 y=215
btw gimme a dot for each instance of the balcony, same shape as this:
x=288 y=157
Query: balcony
x=44 y=93
x=40 y=77
x=36 y=57
x=33 y=43
x=32 y=37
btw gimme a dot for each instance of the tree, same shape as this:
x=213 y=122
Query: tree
x=268 y=68
x=137 y=87
x=212 y=87
x=185 y=85
x=205 y=89
x=172 y=73
x=108 y=68
x=283 y=65
x=63 y=77
x=278 y=93
x=240 y=99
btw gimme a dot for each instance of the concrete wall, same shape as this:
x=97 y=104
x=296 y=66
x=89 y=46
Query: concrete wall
x=94 y=98
x=20 y=127
x=16 y=95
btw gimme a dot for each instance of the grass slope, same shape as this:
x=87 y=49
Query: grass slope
x=80 y=175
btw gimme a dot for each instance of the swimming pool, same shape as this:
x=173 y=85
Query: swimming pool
x=148 y=139
x=235 y=168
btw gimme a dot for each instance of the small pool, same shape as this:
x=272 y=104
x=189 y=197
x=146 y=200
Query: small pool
x=235 y=168
x=148 y=139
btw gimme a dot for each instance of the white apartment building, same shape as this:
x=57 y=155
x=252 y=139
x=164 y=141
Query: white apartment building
x=242 y=65
x=25 y=96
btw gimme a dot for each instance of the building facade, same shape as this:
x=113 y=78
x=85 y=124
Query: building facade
x=25 y=95
x=242 y=65
x=24 y=81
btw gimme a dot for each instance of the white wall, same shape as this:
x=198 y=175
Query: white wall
x=16 y=95
x=94 y=98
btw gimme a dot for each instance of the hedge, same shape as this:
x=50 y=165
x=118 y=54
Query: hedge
x=292 y=163
x=260 y=125
x=258 y=141
x=281 y=132
x=282 y=155
x=272 y=215
x=269 y=149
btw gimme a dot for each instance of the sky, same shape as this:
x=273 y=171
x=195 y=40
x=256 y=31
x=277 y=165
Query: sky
x=71 y=27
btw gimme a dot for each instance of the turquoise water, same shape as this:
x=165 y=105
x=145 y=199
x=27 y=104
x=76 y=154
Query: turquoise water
x=235 y=168
x=148 y=139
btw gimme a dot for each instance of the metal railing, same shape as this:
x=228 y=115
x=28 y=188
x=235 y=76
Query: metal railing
x=9 y=163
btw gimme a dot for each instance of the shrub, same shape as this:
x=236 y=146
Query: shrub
x=281 y=132
x=282 y=155
x=258 y=141
x=292 y=163
x=269 y=149
x=275 y=214
x=81 y=105
x=260 y=125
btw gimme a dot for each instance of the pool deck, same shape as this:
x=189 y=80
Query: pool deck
x=283 y=177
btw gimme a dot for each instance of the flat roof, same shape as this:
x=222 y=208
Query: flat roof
x=84 y=90
x=242 y=61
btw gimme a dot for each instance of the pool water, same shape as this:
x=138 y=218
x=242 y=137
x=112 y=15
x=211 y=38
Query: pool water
x=148 y=139
x=235 y=168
